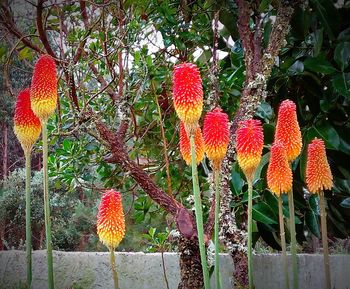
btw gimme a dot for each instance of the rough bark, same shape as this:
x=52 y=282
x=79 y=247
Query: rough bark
x=190 y=264
x=5 y=151
x=259 y=63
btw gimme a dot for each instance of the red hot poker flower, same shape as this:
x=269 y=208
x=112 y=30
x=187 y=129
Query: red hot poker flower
x=110 y=219
x=188 y=93
x=43 y=91
x=318 y=173
x=288 y=130
x=27 y=126
x=185 y=147
x=249 y=145
x=216 y=136
x=279 y=173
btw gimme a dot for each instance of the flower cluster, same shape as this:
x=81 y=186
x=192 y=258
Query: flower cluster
x=110 y=219
x=185 y=147
x=318 y=173
x=27 y=126
x=43 y=91
x=249 y=145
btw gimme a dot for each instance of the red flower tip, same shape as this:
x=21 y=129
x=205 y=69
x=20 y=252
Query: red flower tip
x=27 y=126
x=249 y=145
x=318 y=173
x=43 y=91
x=188 y=93
x=288 y=130
x=216 y=136
x=110 y=219
x=185 y=147
x=279 y=173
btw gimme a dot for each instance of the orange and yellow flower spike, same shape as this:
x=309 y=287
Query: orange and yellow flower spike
x=110 y=219
x=43 y=91
x=188 y=94
x=27 y=126
x=279 y=173
x=318 y=173
x=185 y=147
x=318 y=178
x=216 y=136
x=288 y=130
x=249 y=146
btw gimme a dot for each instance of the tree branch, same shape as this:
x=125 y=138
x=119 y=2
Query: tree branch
x=41 y=30
x=7 y=21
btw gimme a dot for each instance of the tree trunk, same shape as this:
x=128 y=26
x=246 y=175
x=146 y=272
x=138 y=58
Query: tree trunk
x=190 y=265
x=5 y=151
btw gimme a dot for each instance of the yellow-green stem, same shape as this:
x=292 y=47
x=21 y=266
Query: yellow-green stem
x=28 y=223
x=325 y=241
x=293 y=240
x=216 y=229
x=114 y=268
x=199 y=215
x=283 y=242
x=47 y=208
x=250 y=232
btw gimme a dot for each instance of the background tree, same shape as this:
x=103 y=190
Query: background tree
x=116 y=127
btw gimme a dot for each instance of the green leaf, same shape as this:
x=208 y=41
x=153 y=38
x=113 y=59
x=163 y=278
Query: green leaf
x=263 y=162
x=296 y=68
x=341 y=84
x=342 y=55
x=236 y=180
x=263 y=213
x=265 y=112
x=328 y=15
x=325 y=131
x=317 y=64
x=346 y=203
x=311 y=221
x=318 y=40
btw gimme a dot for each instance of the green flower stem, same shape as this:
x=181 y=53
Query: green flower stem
x=283 y=242
x=293 y=240
x=250 y=232
x=47 y=208
x=199 y=215
x=114 y=268
x=28 y=222
x=325 y=241
x=216 y=229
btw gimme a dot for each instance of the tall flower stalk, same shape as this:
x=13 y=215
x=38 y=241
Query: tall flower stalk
x=279 y=181
x=188 y=103
x=216 y=139
x=27 y=128
x=249 y=146
x=289 y=134
x=43 y=95
x=319 y=178
x=111 y=226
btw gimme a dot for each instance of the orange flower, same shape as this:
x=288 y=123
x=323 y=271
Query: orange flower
x=185 y=147
x=279 y=173
x=188 y=93
x=27 y=126
x=43 y=91
x=216 y=136
x=288 y=130
x=249 y=145
x=110 y=219
x=318 y=173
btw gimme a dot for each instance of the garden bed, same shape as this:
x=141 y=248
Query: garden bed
x=144 y=271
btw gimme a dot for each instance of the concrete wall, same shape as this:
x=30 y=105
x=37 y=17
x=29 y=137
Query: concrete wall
x=144 y=271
